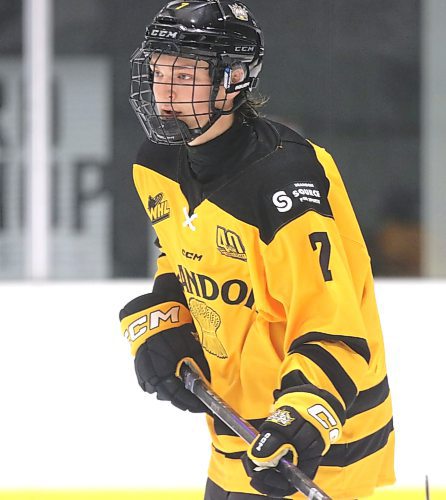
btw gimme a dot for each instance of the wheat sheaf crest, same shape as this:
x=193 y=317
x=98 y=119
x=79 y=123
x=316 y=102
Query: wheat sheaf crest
x=209 y=322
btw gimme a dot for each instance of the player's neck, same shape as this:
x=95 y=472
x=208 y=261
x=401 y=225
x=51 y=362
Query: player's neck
x=223 y=124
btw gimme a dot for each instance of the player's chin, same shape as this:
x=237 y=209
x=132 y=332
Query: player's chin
x=192 y=122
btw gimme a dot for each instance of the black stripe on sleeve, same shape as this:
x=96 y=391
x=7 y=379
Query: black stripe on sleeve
x=370 y=398
x=293 y=378
x=311 y=389
x=332 y=368
x=234 y=456
x=341 y=455
x=296 y=381
x=357 y=344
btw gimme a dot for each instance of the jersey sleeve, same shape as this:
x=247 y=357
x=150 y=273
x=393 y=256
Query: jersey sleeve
x=165 y=281
x=312 y=288
x=325 y=341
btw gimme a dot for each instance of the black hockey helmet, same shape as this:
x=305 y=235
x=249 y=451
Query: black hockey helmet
x=222 y=33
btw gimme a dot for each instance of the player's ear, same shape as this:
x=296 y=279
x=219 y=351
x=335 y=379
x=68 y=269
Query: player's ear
x=238 y=74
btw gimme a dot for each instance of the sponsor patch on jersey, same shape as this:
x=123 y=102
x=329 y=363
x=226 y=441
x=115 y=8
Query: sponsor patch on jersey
x=281 y=417
x=300 y=196
x=209 y=322
x=240 y=11
x=158 y=208
x=230 y=244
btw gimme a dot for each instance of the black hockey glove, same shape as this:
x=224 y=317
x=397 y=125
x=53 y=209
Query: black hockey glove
x=158 y=361
x=301 y=432
x=161 y=337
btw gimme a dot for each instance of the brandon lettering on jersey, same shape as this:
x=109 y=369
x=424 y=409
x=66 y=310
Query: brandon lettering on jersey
x=232 y=292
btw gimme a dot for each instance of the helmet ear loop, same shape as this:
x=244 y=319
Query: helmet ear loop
x=231 y=86
x=219 y=74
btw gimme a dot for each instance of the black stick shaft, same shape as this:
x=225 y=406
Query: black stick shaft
x=245 y=430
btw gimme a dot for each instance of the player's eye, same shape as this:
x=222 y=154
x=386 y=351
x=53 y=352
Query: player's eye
x=185 y=76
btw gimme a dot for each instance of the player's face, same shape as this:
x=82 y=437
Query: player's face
x=182 y=89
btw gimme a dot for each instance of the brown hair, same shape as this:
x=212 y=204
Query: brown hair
x=252 y=105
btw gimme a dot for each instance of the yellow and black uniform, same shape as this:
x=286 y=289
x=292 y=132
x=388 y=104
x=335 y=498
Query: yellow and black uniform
x=257 y=227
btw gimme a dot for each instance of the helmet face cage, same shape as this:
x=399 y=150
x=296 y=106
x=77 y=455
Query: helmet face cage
x=179 y=121
x=191 y=37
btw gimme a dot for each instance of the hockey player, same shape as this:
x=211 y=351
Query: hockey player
x=263 y=280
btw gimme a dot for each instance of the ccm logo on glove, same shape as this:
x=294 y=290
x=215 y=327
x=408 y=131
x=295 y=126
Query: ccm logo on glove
x=152 y=321
x=263 y=441
x=138 y=326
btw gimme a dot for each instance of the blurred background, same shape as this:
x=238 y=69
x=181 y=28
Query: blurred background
x=363 y=78
x=366 y=79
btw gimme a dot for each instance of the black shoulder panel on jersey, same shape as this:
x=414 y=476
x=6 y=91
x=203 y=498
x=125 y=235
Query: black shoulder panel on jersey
x=280 y=187
x=160 y=158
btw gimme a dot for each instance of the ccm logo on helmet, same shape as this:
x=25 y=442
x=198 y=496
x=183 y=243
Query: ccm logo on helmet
x=244 y=48
x=163 y=33
x=151 y=321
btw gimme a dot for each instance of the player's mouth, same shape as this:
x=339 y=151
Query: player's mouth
x=169 y=113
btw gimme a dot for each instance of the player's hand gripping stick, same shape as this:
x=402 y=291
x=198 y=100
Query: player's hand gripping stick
x=195 y=384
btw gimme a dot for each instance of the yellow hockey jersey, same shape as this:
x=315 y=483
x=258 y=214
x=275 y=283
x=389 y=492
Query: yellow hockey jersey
x=278 y=281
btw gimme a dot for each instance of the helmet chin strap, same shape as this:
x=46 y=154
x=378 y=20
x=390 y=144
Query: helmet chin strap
x=197 y=132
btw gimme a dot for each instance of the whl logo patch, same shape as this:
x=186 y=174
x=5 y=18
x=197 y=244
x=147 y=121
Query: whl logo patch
x=229 y=244
x=158 y=208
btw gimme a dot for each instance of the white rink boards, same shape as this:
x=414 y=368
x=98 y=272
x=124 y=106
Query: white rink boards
x=73 y=416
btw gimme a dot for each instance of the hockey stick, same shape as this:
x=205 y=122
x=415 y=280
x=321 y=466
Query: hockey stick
x=195 y=384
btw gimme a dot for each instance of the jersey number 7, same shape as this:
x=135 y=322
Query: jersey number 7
x=324 y=256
